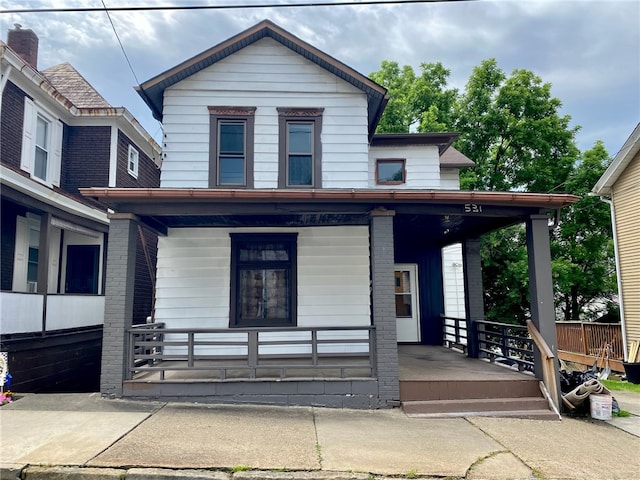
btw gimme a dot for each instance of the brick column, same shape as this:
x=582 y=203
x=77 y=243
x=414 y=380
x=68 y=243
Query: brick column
x=543 y=314
x=383 y=307
x=118 y=310
x=474 y=291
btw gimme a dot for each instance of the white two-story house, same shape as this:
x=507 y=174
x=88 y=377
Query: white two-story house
x=296 y=247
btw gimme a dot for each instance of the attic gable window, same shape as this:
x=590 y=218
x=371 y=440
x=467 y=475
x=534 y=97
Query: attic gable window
x=231 y=147
x=390 y=171
x=300 y=148
x=132 y=161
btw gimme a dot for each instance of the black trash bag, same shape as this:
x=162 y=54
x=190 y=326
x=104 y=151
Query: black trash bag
x=615 y=408
x=571 y=380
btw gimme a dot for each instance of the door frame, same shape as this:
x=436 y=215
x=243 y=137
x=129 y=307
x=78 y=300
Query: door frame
x=415 y=300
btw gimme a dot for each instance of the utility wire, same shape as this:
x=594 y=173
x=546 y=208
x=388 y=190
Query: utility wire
x=120 y=42
x=227 y=7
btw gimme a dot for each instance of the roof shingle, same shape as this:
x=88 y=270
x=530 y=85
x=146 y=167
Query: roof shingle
x=68 y=81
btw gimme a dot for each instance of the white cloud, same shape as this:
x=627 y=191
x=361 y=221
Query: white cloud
x=588 y=50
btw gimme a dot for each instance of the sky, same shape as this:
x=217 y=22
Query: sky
x=588 y=50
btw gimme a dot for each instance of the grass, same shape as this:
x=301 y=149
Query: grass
x=621 y=413
x=413 y=473
x=618 y=385
x=240 y=468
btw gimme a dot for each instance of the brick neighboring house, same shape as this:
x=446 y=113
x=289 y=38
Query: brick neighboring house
x=296 y=247
x=58 y=134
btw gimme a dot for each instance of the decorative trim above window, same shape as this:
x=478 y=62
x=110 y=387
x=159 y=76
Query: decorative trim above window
x=231 y=131
x=133 y=158
x=390 y=171
x=263 y=280
x=300 y=147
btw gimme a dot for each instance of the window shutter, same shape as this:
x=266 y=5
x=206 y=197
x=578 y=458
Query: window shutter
x=20 y=256
x=28 y=131
x=56 y=156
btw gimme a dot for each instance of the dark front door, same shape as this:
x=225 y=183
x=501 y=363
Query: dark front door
x=82 y=269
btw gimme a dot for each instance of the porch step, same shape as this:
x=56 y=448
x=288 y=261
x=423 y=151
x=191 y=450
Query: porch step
x=416 y=390
x=522 y=407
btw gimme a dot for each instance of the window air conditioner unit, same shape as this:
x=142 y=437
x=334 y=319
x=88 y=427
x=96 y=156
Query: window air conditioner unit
x=32 y=287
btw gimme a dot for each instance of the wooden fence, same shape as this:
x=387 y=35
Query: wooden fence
x=588 y=343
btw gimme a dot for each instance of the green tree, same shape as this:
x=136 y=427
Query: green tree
x=511 y=127
x=422 y=103
x=582 y=245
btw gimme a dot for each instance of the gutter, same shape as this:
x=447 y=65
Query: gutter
x=618 y=279
x=195 y=195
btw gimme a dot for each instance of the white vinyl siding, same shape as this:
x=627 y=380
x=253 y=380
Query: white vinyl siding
x=265 y=75
x=626 y=193
x=453 y=281
x=193 y=279
x=422 y=166
x=449 y=179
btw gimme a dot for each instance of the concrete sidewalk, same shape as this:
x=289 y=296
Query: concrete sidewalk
x=84 y=436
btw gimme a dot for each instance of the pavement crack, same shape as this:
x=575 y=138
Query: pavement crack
x=315 y=429
x=150 y=414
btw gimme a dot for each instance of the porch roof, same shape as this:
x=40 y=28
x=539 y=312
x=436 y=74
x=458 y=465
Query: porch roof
x=441 y=216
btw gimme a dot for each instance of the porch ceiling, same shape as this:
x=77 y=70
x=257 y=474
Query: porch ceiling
x=434 y=217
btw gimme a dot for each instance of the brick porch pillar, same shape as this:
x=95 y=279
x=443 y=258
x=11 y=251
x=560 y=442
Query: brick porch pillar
x=384 y=307
x=118 y=310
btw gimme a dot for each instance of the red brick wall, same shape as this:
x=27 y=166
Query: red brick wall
x=148 y=172
x=85 y=157
x=11 y=125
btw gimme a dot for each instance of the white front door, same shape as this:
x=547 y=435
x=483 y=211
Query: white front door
x=406 y=292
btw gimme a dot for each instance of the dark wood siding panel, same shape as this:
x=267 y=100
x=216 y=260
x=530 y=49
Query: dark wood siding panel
x=148 y=172
x=85 y=160
x=11 y=125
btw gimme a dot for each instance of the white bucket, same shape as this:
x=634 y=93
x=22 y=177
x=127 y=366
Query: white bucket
x=601 y=406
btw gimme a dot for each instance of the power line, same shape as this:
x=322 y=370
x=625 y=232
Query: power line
x=120 y=42
x=340 y=3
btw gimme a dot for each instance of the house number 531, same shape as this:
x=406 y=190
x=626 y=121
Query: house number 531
x=472 y=208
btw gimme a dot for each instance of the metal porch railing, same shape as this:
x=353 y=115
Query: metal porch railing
x=257 y=353
x=503 y=342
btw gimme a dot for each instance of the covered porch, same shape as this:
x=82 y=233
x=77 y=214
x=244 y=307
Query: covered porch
x=324 y=361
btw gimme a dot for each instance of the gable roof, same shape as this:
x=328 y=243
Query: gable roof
x=152 y=91
x=627 y=153
x=70 y=83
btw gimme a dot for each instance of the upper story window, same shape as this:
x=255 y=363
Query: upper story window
x=43 y=141
x=132 y=161
x=300 y=148
x=231 y=147
x=390 y=171
x=41 y=144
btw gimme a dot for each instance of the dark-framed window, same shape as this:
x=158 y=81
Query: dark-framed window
x=390 y=171
x=263 y=280
x=231 y=147
x=300 y=148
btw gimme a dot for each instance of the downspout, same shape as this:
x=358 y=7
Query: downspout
x=618 y=279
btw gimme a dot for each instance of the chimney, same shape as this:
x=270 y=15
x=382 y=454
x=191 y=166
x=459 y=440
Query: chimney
x=24 y=43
